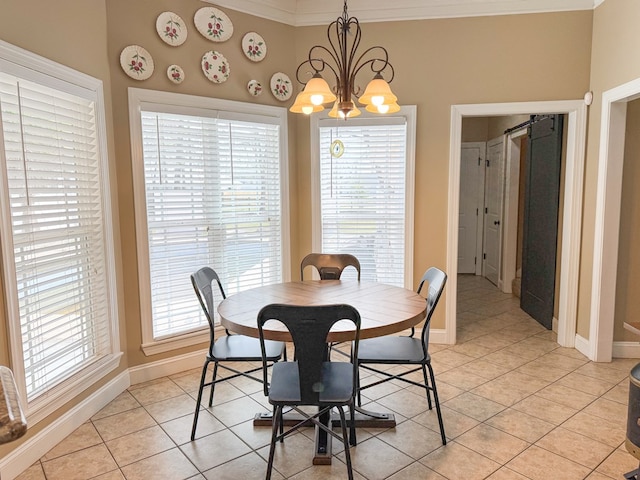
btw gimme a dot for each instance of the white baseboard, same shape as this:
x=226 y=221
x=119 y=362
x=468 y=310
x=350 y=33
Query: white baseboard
x=169 y=366
x=438 y=335
x=626 y=349
x=620 y=349
x=34 y=448
x=582 y=345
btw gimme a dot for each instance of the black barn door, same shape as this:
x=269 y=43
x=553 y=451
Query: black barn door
x=540 y=231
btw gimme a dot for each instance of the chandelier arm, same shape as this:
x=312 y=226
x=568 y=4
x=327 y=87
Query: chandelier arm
x=372 y=63
x=353 y=66
x=338 y=51
x=317 y=63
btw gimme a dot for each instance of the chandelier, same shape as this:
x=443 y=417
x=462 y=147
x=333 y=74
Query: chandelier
x=341 y=61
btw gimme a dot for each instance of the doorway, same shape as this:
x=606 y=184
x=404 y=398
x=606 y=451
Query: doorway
x=576 y=134
x=599 y=347
x=520 y=170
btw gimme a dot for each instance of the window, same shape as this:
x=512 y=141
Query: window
x=56 y=236
x=364 y=193
x=211 y=174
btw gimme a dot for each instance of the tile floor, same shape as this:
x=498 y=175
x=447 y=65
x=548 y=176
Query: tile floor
x=516 y=406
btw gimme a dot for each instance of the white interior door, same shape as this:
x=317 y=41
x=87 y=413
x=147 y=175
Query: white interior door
x=472 y=160
x=493 y=198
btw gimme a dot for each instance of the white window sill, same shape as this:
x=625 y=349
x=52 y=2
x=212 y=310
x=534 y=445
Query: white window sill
x=174 y=343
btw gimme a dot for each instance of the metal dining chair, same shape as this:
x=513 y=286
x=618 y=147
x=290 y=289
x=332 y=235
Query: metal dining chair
x=229 y=348
x=310 y=380
x=329 y=265
x=407 y=350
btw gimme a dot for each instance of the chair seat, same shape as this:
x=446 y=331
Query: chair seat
x=391 y=349
x=285 y=383
x=247 y=349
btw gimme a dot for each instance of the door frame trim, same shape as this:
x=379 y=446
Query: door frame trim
x=607 y=218
x=482 y=147
x=498 y=141
x=512 y=190
x=576 y=111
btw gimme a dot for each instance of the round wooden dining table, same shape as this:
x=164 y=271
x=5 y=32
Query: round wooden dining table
x=384 y=309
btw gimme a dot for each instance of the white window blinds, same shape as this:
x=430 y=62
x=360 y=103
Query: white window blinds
x=53 y=174
x=363 y=195
x=212 y=199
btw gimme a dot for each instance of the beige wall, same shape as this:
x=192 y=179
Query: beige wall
x=460 y=61
x=616 y=41
x=438 y=63
x=474 y=129
x=483 y=129
x=134 y=23
x=73 y=33
x=497 y=125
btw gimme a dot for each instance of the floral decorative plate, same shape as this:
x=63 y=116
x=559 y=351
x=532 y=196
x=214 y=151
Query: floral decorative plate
x=215 y=66
x=254 y=87
x=175 y=74
x=171 y=28
x=136 y=62
x=254 y=46
x=281 y=87
x=213 y=24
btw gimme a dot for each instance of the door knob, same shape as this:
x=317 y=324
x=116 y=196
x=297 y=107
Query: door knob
x=497 y=222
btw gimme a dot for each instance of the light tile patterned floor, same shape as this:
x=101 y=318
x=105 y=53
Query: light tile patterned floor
x=516 y=406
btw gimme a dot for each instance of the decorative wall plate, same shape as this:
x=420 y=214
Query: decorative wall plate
x=136 y=62
x=175 y=73
x=254 y=46
x=281 y=87
x=171 y=28
x=215 y=66
x=254 y=87
x=213 y=24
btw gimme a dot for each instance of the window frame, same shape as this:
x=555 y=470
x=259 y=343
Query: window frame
x=32 y=67
x=407 y=113
x=140 y=99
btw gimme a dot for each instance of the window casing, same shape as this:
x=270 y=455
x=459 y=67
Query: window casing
x=363 y=190
x=210 y=189
x=56 y=236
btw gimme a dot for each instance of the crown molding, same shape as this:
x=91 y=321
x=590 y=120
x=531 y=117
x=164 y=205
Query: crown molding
x=313 y=12
x=283 y=11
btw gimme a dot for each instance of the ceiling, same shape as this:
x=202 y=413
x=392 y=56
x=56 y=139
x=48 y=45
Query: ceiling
x=320 y=12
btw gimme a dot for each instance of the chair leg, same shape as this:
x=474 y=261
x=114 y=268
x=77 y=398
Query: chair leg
x=198 y=402
x=632 y=475
x=437 y=402
x=352 y=427
x=426 y=386
x=275 y=420
x=213 y=382
x=347 y=453
x=358 y=389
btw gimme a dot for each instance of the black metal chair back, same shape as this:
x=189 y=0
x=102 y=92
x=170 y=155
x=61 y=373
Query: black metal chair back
x=329 y=265
x=435 y=280
x=202 y=282
x=309 y=327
